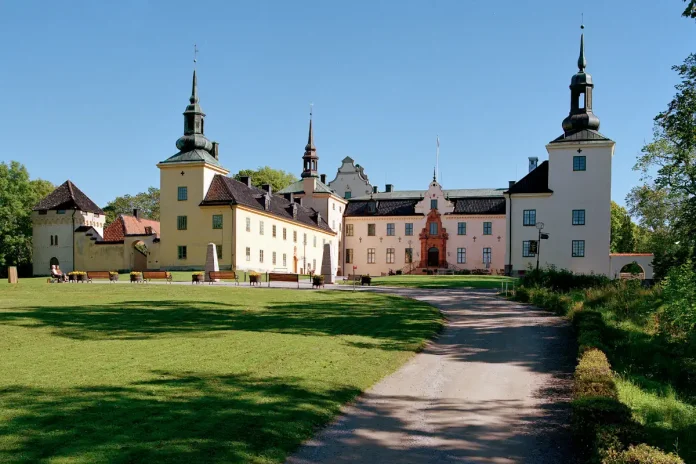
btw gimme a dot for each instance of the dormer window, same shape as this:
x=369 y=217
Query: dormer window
x=433 y=204
x=372 y=207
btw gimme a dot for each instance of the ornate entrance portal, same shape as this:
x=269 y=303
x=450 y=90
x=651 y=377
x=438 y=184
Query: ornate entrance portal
x=433 y=240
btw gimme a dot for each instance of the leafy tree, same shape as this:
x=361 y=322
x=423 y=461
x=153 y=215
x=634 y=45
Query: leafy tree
x=147 y=202
x=18 y=196
x=690 y=11
x=278 y=179
x=622 y=230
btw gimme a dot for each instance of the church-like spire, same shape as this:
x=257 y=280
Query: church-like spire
x=194 y=121
x=194 y=89
x=310 y=160
x=581 y=116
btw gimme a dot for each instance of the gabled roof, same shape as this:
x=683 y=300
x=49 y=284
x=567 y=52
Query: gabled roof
x=68 y=196
x=192 y=156
x=582 y=135
x=125 y=225
x=479 y=206
x=227 y=191
x=298 y=187
x=536 y=181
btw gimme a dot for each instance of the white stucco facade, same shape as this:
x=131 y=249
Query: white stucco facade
x=350 y=178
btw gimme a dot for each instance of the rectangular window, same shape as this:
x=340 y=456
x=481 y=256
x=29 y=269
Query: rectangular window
x=260 y=227
x=181 y=252
x=333 y=224
x=391 y=255
x=285 y=233
x=408 y=255
x=248 y=224
x=346 y=195
x=294 y=236
x=217 y=221
x=528 y=249
x=182 y=194
x=43 y=212
x=409 y=228
x=273 y=231
x=60 y=211
x=260 y=256
x=304 y=239
x=578 y=248
x=433 y=204
x=370 y=256
x=391 y=228
x=433 y=228
x=487 y=228
x=273 y=258
x=314 y=264
x=285 y=260
x=461 y=255
x=349 y=230
x=218 y=248
x=349 y=255
x=579 y=163
x=487 y=255
x=181 y=222
x=314 y=241
x=461 y=228
x=371 y=230
x=578 y=217
x=529 y=217
x=248 y=254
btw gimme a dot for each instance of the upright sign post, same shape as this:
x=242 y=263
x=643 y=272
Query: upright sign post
x=354 y=268
x=12 y=274
x=539 y=226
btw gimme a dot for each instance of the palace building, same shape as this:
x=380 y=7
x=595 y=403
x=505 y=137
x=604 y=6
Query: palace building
x=556 y=215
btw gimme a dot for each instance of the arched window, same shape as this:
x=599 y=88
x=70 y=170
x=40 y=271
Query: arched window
x=51 y=240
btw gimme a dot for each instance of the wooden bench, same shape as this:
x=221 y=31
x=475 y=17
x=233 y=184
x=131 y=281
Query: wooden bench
x=150 y=275
x=223 y=275
x=98 y=275
x=281 y=277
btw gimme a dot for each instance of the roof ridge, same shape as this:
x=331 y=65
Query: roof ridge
x=70 y=189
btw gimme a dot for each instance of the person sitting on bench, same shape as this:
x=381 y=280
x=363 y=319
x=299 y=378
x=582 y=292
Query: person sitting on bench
x=57 y=274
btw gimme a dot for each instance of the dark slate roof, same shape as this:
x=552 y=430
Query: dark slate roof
x=479 y=206
x=298 y=187
x=227 y=191
x=582 y=135
x=193 y=156
x=536 y=181
x=471 y=206
x=68 y=196
x=452 y=194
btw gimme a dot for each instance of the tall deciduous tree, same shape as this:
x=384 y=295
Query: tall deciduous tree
x=18 y=196
x=690 y=11
x=147 y=202
x=622 y=230
x=278 y=179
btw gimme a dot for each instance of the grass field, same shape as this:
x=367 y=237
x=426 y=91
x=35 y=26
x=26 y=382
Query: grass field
x=441 y=281
x=167 y=373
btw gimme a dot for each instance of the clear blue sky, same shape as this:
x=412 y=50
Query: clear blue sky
x=94 y=91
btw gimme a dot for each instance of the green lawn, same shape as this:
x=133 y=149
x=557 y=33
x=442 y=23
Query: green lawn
x=441 y=281
x=171 y=373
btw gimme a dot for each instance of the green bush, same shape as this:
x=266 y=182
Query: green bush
x=593 y=376
x=678 y=317
x=589 y=326
x=522 y=295
x=641 y=454
x=562 y=280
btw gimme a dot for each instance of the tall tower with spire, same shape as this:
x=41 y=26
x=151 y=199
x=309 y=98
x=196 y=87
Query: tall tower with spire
x=581 y=115
x=310 y=159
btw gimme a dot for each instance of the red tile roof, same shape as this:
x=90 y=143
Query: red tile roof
x=130 y=225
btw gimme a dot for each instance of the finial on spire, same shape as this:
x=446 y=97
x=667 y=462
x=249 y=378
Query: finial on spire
x=582 y=63
x=195 y=56
x=194 y=89
x=310 y=136
x=434 y=175
x=311 y=109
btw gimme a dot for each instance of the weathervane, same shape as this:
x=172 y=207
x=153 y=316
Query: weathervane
x=195 y=55
x=311 y=107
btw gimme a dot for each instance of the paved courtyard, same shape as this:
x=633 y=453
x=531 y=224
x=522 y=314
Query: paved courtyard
x=493 y=388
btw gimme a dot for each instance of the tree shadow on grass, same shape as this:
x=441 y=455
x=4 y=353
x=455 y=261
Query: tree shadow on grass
x=187 y=418
x=402 y=323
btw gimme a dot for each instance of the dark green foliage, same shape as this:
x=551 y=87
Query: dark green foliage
x=641 y=454
x=589 y=326
x=562 y=280
x=147 y=202
x=678 y=318
x=276 y=178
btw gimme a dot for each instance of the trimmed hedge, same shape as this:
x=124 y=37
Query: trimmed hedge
x=641 y=454
x=593 y=376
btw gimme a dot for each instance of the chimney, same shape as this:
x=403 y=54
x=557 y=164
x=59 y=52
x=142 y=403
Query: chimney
x=318 y=218
x=389 y=188
x=136 y=213
x=293 y=210
x=533 y=161
x=215 y=150
x=245 y=180
x=511 y=183
x=323 y=178
x=268 y=188
x=374 y=189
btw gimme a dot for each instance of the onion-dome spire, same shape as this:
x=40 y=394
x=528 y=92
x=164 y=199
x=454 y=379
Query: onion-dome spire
x=581 y=115
x=194 y=120
x=310 y=159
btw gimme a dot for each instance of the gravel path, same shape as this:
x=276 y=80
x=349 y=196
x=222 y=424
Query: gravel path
x=493 y=388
